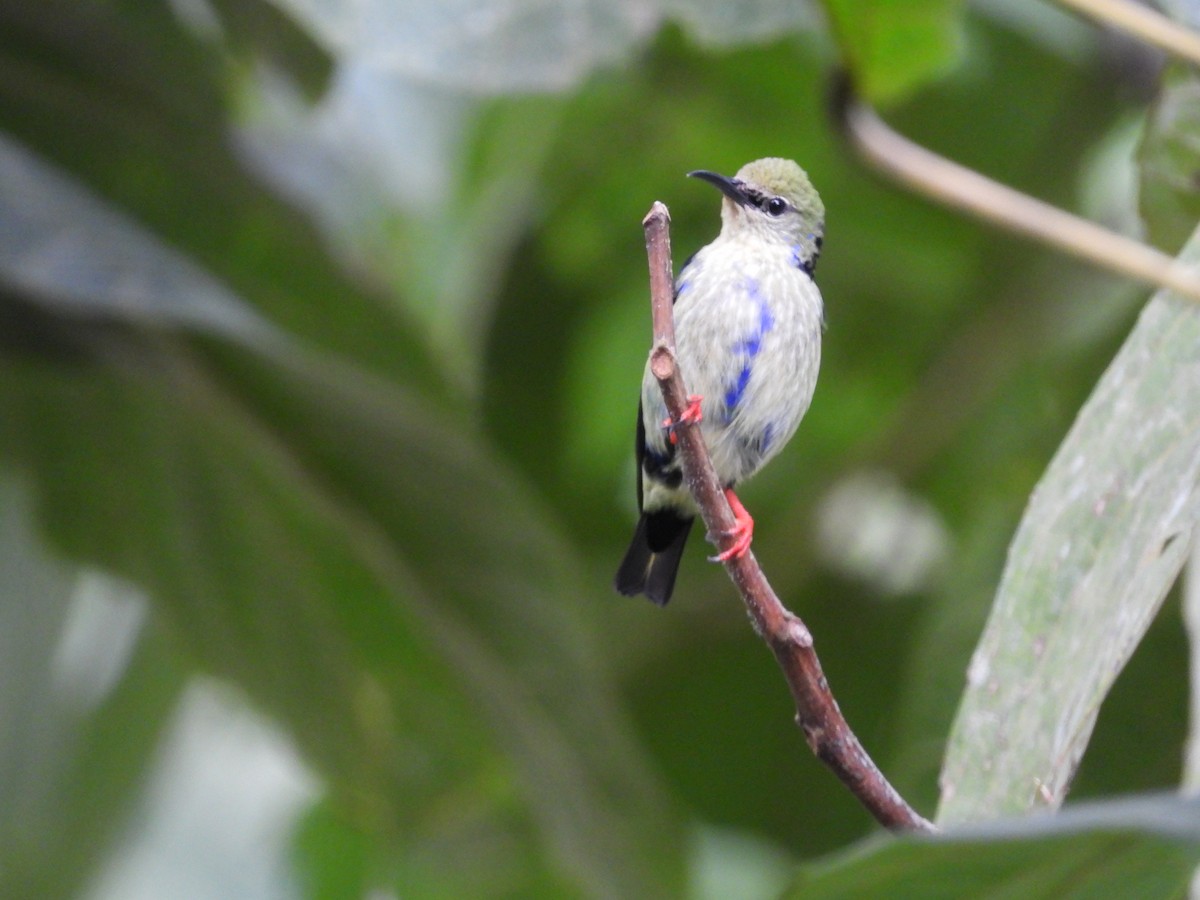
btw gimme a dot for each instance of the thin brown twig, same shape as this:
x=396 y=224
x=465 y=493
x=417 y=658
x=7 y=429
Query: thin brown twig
x=817 y=713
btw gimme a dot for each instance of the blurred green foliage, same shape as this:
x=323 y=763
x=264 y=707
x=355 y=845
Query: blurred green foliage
x=892 y=47
x=390 y=515
x=1168 y=163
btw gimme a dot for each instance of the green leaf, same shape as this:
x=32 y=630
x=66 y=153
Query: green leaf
x=68 y=249
x=1169 y=157
x=79 y=718
x=892 y=47
x=261 y=32
x=1169 y=160
x=131 y=106
x=1139 y=847
x=1100 y=544
x=1191 y=617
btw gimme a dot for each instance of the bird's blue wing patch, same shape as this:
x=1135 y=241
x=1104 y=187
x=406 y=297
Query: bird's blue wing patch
x=747 y=348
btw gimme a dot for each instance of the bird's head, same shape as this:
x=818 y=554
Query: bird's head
x=773 y=199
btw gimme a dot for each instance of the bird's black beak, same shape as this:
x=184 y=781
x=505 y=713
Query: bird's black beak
x=732 y=188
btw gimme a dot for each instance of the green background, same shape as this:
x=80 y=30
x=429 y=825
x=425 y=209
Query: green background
x=349 y=401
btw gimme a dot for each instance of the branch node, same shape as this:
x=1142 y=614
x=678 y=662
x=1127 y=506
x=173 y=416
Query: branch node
x=796 y=633
x=662 y=362
x=659 y=215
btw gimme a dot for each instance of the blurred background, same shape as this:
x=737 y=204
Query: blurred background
x=321 y=331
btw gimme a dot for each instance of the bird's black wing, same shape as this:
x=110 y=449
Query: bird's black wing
x=659 y=465
x=652 y=560
x=639 y=452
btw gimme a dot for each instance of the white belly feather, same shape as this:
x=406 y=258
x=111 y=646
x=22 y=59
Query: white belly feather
x=748 y=337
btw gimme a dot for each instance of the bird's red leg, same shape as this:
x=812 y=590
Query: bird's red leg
x=742 y=531
x=691 y=415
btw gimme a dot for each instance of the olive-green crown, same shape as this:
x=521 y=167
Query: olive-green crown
x=783 y=178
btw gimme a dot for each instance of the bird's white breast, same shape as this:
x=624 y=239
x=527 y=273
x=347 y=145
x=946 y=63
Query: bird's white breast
x=748 y=323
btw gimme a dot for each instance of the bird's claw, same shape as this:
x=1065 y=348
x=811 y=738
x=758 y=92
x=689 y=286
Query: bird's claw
x=692 y=415
x=692 y=412
x=742 y=531
x=743 y=534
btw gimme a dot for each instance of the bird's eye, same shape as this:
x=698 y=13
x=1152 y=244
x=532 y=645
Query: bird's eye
x=776 y=206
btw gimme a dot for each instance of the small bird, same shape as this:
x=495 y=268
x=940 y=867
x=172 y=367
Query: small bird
x=748 y=323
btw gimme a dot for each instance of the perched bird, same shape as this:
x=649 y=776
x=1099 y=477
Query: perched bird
x=748 y=322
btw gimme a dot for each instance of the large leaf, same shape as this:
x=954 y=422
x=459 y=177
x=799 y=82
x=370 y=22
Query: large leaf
x=1191 y=617
x=132 y=106
x=66 y=247
x=288 y=510
x=81 y=702
x=1138 y=847
x=477 y=46
x=1101 y=542
x=474 y=46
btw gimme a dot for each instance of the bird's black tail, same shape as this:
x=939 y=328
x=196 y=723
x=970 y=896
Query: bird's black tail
x=653 y=556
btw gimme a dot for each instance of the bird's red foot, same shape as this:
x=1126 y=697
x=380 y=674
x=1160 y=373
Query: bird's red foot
x=742 y=531
x=691 y=414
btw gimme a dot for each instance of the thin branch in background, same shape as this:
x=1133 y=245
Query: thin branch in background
x=965 y=189
x=817 y=713
x=1144 y=23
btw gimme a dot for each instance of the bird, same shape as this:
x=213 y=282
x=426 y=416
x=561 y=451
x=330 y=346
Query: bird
x=748 y=324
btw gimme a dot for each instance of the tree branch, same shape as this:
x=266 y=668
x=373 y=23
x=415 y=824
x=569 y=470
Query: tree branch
x=817 y=712
x=962 y=188
x=1142 y=22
